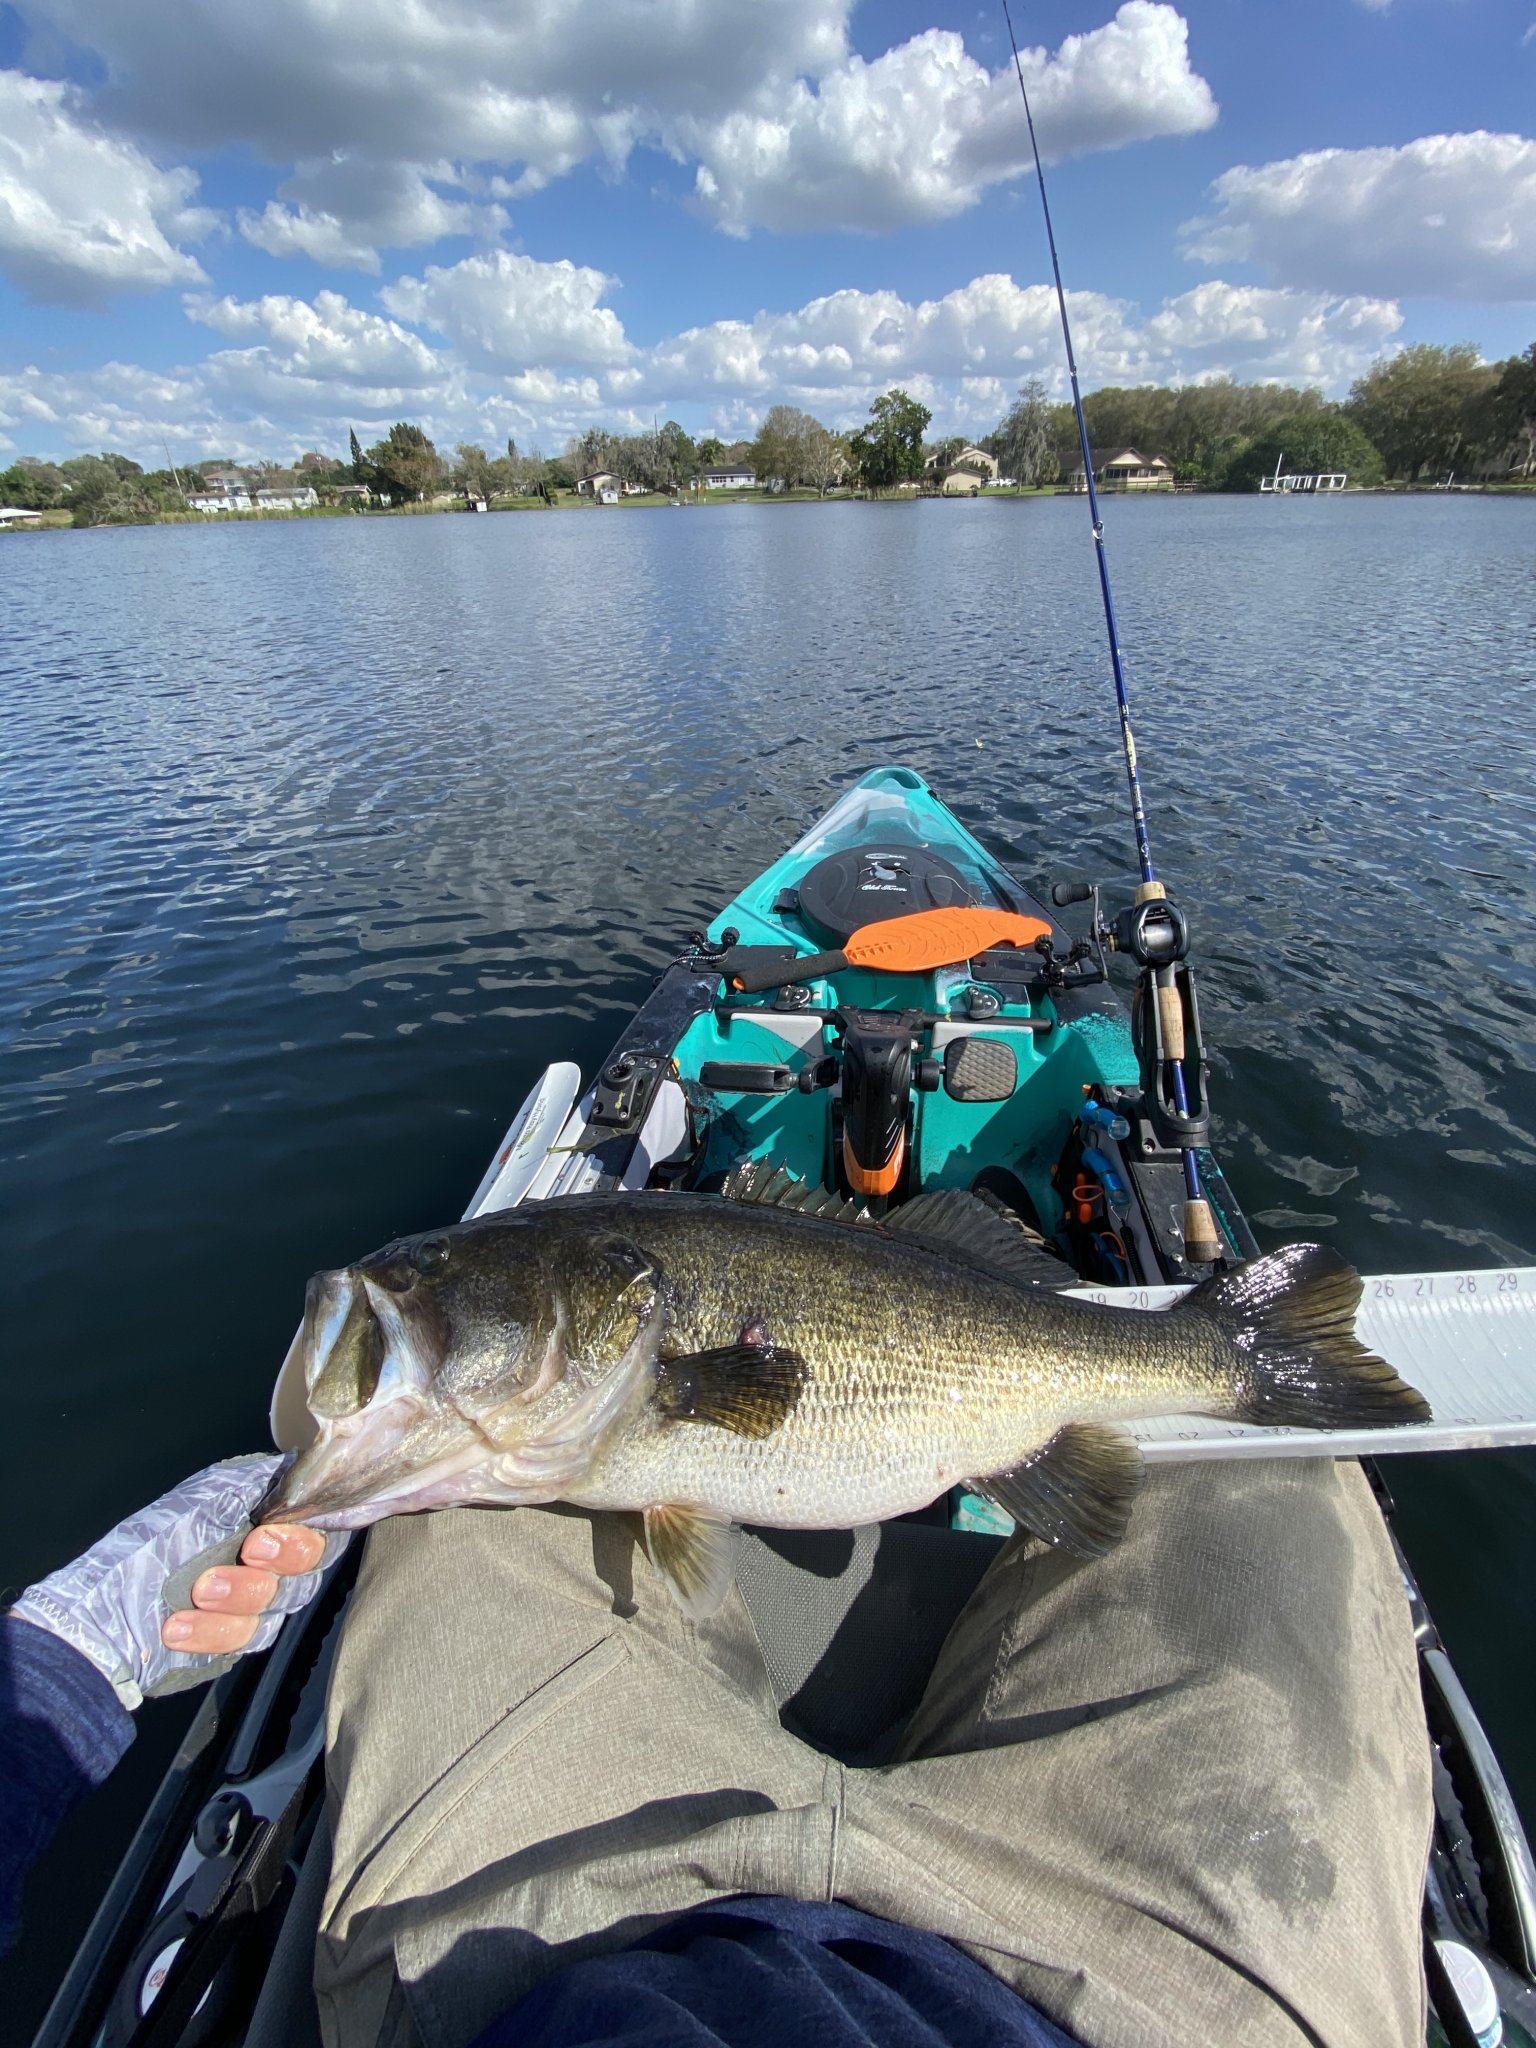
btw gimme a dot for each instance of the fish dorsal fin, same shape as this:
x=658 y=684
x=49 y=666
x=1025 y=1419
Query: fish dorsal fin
x=761 y=1181
x=1076 y=1491
x=696 y=1555
x=746 y=1388
x=977 y=1227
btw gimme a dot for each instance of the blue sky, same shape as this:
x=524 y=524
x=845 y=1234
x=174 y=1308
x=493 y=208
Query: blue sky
x=244 y=230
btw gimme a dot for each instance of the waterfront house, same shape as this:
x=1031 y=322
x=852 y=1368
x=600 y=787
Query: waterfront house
x=960 y=474
x=734 y=477
x=1123 y=469
x=285 y=498
x=231 y=490
x=976 y=460
x=225 y=489
x=18 y=515
x=602 y=486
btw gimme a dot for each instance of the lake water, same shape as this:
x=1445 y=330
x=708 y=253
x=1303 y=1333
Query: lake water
x=321 y=838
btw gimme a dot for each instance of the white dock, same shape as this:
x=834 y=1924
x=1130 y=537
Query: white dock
x=1289 y=483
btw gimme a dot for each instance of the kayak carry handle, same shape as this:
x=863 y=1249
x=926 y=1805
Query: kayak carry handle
x=752 y=981
x=744 y=1077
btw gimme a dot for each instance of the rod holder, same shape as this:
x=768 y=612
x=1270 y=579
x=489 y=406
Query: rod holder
x=1155 y=1032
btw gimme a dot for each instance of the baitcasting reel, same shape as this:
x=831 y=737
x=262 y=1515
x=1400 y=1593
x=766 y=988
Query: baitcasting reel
x=1153 y=931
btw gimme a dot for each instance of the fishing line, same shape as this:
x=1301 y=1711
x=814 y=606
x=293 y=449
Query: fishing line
x=1200 y=1237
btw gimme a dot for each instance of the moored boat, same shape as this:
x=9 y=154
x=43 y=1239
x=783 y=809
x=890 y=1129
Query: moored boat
x=1016 y=1070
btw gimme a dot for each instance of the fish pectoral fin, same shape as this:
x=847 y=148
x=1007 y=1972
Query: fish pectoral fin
x=1076 y=1491
x=748 y=1388
x=696 y=1555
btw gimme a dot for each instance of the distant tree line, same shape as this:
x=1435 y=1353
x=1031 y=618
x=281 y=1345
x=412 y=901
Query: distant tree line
x=1421 y=415
x=98 y=490
x=792 y=450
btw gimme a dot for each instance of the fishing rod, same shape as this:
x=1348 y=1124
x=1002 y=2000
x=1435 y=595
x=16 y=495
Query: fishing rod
x=1155 y=932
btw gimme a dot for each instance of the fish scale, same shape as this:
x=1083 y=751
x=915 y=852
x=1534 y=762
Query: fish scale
x=921 y=1371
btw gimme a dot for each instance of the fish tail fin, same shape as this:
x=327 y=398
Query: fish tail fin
x=1290 y=1320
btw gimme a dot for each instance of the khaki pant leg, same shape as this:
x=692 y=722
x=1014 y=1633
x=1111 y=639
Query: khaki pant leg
x=1181 y=1794
x=533 y=1755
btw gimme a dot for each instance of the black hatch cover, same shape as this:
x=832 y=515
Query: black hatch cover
x=870 y=883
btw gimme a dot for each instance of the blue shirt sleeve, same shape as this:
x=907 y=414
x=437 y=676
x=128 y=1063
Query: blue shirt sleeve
x=776 y=1973
x=62 y=1728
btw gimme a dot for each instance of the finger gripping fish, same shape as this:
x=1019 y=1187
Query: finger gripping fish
x=707 y=1362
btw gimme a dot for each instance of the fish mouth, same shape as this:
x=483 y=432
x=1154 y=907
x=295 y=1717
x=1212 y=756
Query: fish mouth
x=367 y=1361
x=330 y=1495
x=409 y=1446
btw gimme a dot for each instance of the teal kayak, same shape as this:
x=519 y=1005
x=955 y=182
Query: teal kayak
x=880 y=1084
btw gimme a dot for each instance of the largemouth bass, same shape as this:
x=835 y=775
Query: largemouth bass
x=707 y=1362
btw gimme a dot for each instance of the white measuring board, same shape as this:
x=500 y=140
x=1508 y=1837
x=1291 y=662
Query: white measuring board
x=1466 y=1340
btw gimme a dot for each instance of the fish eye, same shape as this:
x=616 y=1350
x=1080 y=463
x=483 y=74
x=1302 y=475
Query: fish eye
x=431 y=1255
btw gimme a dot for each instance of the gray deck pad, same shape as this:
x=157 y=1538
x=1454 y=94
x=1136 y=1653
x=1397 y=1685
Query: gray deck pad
x=1465 y=1338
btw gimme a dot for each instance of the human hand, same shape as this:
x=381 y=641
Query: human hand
x=228 y=1600
x=169 y=1597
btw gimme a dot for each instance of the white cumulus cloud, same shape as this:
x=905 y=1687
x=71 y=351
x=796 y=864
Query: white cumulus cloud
x=117 y=405
x=507 y=312
x=1259 y=335
x=784 y=126
x=83 y=215
x=297 y=372
x=976 y=344
x=836 y=350
x=324 y=341
x=918 y=133
x=1447 y=216
x=343 y=209
x=542 y=84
